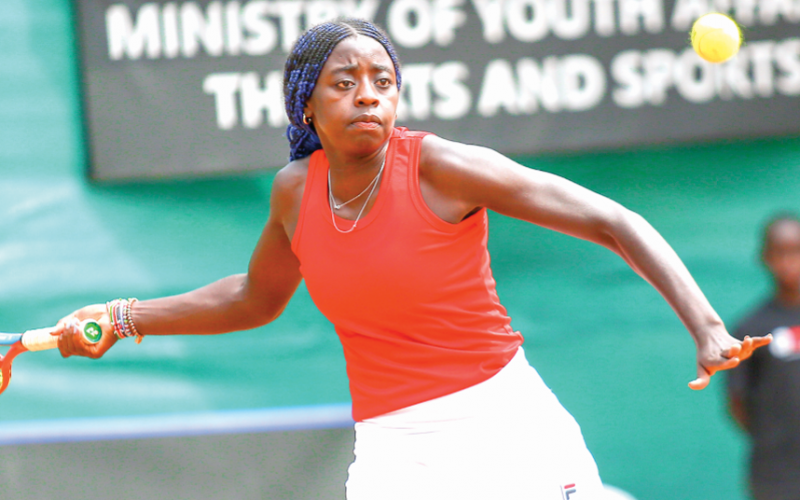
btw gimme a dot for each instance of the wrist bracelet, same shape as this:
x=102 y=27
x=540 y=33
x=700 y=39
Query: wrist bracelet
x=119 y=312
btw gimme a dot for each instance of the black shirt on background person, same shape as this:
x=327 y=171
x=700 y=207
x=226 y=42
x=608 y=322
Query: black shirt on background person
x=764 y=391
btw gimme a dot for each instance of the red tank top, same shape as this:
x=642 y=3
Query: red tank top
x=411 y=296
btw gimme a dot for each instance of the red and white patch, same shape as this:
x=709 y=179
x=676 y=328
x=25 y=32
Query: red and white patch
x=786 y=343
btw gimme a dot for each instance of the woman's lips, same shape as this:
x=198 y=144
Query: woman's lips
x=367 y=121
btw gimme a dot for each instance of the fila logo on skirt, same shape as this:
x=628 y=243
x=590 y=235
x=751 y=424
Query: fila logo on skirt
x=569 y=491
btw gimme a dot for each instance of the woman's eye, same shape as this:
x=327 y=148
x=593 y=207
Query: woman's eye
x=385 y=82
x=346 y=84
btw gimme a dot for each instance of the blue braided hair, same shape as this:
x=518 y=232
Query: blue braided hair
x=303 y=67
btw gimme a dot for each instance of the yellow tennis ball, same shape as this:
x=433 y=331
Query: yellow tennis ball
x=716 y=37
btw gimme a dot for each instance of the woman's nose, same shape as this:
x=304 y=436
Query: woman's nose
x=367 y=95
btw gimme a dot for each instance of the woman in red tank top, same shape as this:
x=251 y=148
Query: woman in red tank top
x=388 y=227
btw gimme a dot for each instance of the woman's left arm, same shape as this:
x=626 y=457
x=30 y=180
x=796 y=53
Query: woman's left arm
x=461 y=178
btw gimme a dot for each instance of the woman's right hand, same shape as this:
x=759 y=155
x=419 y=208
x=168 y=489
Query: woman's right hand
x=717 y=350
x=71 y=341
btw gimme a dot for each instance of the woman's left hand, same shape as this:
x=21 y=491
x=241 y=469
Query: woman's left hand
x=719 y=351
x=71 y=341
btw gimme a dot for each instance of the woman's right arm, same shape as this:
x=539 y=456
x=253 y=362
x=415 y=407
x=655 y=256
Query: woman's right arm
x=238 y=302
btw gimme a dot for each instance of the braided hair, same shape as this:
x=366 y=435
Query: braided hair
x=303 y=67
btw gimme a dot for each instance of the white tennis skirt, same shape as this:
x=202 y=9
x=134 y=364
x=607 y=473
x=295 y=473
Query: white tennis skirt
x=507 y=438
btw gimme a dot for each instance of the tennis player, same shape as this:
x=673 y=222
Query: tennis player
x=389 y=229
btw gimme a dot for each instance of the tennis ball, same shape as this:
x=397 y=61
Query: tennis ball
x=716 y=37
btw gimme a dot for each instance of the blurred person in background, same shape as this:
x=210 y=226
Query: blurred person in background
x=764 y=390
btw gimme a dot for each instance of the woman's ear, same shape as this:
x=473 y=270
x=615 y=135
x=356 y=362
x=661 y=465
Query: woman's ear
x=308 y=116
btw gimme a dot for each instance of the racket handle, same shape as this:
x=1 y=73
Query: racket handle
x=41 y=339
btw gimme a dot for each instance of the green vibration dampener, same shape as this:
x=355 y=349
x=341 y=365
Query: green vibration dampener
x=92 y=331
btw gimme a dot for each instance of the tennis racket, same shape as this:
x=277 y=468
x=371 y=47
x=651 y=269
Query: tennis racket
x=40 y=340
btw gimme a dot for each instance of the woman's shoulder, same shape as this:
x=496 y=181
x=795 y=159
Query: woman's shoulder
x=293 y=173
x=452 y=176
x=439 y=155
x=289 y=181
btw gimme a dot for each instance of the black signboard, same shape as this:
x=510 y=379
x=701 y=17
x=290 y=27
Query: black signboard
x=190 y=88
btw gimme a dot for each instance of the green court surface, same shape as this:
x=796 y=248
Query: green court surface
x=607 y=344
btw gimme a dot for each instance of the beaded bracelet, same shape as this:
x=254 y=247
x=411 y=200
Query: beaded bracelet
x=119 y=311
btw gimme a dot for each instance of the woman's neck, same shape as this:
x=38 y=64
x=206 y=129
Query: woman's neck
x=350 y=177
x=354 y=165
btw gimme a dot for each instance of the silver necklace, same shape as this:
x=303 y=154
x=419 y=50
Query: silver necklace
x=371 y=186
x=338 y=206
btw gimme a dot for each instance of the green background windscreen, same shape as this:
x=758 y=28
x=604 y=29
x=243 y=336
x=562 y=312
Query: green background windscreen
x=608 y=345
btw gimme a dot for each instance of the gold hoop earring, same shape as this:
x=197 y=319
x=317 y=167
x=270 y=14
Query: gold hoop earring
x=306 y=119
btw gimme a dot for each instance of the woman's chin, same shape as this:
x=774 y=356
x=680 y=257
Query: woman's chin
x=368 y=137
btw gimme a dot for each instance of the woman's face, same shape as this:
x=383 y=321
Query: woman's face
x=354 y=104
